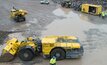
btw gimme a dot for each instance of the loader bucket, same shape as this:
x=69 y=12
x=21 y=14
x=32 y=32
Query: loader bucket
x=9 y=50
x=6 y=57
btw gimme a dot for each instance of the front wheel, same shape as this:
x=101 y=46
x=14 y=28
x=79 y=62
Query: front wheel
x=26 y=55
x=58 y=53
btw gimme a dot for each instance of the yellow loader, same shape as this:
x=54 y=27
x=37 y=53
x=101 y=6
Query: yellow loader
x=59 y=46
x=18 y=15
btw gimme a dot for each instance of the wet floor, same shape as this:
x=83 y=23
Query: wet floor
x=43 y=20
x=91 y=32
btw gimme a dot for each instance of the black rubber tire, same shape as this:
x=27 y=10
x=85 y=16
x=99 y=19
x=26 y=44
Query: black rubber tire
x=20 y=19
x=30 y=54
x=58 y=51
x=16 y=19
x=24 y=19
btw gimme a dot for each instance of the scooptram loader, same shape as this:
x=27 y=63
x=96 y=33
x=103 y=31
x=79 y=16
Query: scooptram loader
x=59 y=46
x=18 y=15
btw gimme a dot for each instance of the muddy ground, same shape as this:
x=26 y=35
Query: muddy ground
x=52 y=19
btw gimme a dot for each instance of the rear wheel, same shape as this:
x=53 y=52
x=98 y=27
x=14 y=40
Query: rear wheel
x=26 y=55
x=58 y=53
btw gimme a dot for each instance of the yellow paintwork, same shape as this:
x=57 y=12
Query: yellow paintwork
x=17 y=12
x=85 y=8
x=52 y=39
x=13 y=45
x=30 y=38
x=49 y=42
x=28 y=43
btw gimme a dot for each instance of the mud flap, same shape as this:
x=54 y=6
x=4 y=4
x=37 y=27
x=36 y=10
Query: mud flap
x=6 y=57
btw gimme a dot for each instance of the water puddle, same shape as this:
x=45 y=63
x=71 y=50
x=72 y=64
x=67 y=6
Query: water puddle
x=73 y=24
x=78 y=25
x=59 y=12
x=63 y=12
x=68 y=26
x=69 y=13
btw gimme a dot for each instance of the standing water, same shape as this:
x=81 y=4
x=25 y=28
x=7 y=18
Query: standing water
x=90 y=31
x=72 y=24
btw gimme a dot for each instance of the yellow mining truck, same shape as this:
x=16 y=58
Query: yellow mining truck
x=59 y=46
x=79 y=6
x=91 y=9
x=18 y=15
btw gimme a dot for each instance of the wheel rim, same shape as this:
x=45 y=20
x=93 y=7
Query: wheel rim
x=57 y=55
x=26 y=55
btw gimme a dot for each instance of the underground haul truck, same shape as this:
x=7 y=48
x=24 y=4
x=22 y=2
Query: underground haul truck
x=59 y=46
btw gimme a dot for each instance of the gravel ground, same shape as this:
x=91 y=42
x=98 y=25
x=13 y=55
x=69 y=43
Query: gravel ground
x=43 y=20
